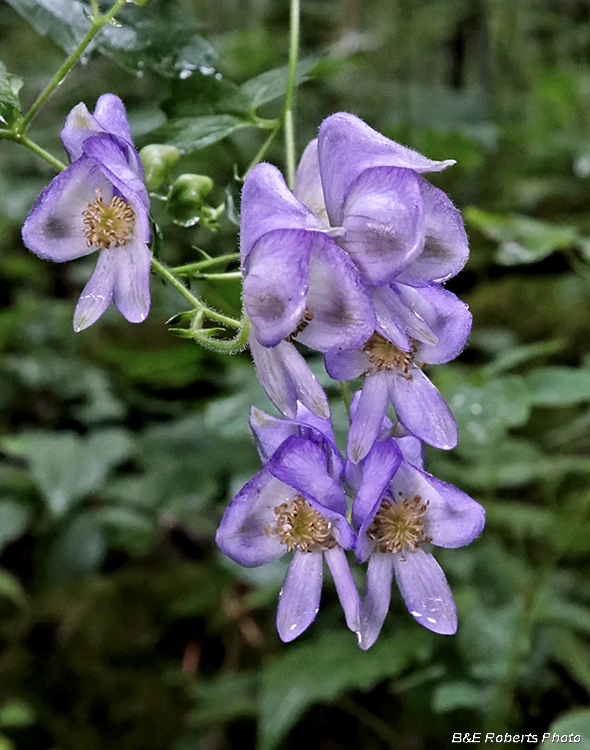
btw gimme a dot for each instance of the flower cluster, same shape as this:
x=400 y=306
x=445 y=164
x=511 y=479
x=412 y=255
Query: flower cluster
x=99 y=202
x=352 y=264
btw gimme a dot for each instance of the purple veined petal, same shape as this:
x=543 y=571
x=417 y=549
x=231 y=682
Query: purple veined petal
x=269 y=205
x=397 y=321
x=347 y=146
x=98 y=292
x=387 y=424
x=425 y=591
x=444 y=314
x=276 y=279
x=299 y=600
x=243 y=534
x=379 y=467
x=446 y=247
x=342 y=308
x=112 y=159
x=375 y=601
x=306 y=385
x=274 y=376
x=269 y=431
x=453 y=518
x=132 y=282
x=79 y=125
x=383 y=216
x=368 y=418
x=412 y=449
x=110 y=113
x=422 y=410
x=308 y=182
x=302 y=464
x=346 y=365
x=345 y=586
x=54 y=229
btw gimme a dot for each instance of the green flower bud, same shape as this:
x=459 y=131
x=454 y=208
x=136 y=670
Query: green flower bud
x=185 y=200
x=158 y=160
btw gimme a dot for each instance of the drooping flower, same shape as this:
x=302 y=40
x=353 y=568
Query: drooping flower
x=398 y=511
x=295 y=504
x=98 y=203
x=392 y=222
x=299 y=285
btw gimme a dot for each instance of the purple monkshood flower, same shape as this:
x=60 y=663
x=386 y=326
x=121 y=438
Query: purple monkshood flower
x=295 y=504
x=298 y=285
x=392 y=222
x=99 y=202
x=399 y=509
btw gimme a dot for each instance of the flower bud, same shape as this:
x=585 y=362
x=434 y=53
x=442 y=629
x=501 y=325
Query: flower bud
x=158 y=159
x=186 y=197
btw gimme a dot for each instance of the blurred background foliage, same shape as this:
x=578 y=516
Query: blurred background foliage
x=121 y=625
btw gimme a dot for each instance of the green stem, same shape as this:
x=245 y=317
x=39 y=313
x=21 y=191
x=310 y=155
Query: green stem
x=265 y=146
x=220 y=276
x=290 y=94
x=190 y=268
x=346 y=395
x=97 y=23
x=190 y=297
x=10 y=135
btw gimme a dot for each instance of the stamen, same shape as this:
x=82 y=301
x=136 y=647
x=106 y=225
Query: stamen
x=399 y=525
x=302 y=325
x=107 y=224
x=383 y=355
x=299 y=526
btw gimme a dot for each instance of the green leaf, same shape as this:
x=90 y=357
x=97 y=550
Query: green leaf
x=518 y=355
x=272 y=84
x=322 y=671
x=449 y=696
x=14 y=519
x=203 y=95
x=9 y=102
x=576 y=723
x=523 y=240
x=559 y=386
x=68 y=467
x=190 y=134
x=225 y=698
x=76 y=551
x=16 y=713
x=65 y=21
x=10 y=588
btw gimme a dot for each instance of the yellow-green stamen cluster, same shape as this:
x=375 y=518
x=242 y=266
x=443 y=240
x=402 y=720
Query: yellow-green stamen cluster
x=399 y=525
x=383 y=355
x=108 y=224
x=299 y=526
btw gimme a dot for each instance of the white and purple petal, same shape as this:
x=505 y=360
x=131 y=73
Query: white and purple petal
x=114 y=163
x=347 y=146
x=384 y=220
x=308 y=182
x=345 y=586
x=131 y=293
x=421 y=409
x=98 y=292
x=54 y=229
x=299 y=600
x=274 y=376
x=368 y=418
x=243 y=533
x=425 y=591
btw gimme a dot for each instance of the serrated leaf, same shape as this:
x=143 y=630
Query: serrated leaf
x=559 y=386
x=190 y=134
x=272 y=84
x=522 y=239
x=10 y=85
x=576 y=723
x=321 y=671
x=68 y=467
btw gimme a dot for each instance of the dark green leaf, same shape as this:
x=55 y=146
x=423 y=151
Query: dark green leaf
x=273 y=83
x=14 y=519
x=9 y=102
x=201 y=95
x=448 y=696
x=225 y=698
x=559 y=386
x=190 y=134
x=77 y=550
x=575 y=723
x=322 y=671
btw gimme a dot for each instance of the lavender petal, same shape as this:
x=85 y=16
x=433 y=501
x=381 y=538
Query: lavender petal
x=346 y=365
x=378 y=467
x=113 y=162
x=308 y=390
x=375 y=602
x=98 y=292
x=132 y=282
x=110 y=113
x=243 y=534
x=308 y=182
x=425 y=590
x=345 y=586
x=79 y=125
x=366 y=424
x=274 y=376
x=299 y=600
x=422 y=410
